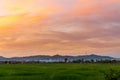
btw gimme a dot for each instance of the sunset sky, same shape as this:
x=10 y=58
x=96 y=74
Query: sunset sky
x=66 y=27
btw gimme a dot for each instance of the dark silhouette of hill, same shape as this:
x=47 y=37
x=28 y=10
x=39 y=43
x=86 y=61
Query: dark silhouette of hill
x=2 y=58
x=59 y=57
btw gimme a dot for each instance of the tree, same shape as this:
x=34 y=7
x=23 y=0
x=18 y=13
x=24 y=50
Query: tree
x=66 y=60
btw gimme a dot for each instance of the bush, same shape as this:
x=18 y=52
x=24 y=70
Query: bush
x=112 y=75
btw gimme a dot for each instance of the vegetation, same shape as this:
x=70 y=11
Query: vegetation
x=96 y=61
x=112 y=75
x=55 y=71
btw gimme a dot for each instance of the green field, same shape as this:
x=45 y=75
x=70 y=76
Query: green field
x=53 y=71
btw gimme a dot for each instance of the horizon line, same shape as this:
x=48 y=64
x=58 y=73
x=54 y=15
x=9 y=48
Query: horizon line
x=58 y=55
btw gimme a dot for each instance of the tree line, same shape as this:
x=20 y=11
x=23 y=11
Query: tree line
x=66 y=60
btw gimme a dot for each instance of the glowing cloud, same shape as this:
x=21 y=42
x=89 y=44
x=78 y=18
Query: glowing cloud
x=34 y=27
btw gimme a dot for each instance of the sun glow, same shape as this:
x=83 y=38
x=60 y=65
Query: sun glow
x=59 y=26
x=9 y=19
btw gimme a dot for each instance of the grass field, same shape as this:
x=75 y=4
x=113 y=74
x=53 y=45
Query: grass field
x=54 y=71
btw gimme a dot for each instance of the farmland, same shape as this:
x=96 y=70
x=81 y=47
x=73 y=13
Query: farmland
x=55 y=71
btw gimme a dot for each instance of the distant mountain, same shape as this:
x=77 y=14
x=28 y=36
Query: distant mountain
x=95 y=57
x=2 y=58
x=58 y=57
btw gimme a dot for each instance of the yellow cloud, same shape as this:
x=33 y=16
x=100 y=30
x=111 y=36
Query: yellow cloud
x=9 y=19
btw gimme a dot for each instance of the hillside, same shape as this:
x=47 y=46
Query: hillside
x=58 y=57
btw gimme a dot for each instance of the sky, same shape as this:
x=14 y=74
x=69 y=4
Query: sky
x=65 y=27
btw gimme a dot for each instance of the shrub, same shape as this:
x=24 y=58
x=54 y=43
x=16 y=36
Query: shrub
x=112 y=75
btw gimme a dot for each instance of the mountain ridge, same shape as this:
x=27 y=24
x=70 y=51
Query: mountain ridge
x=59 y=57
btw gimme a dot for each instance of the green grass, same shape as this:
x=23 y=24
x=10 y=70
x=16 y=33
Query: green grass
x=55 y=71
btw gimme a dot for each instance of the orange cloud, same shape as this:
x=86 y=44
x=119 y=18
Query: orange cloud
x=43 y=27
x=10 y=19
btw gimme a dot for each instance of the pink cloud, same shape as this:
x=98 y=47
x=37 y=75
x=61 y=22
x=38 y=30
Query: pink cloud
x=77 y=27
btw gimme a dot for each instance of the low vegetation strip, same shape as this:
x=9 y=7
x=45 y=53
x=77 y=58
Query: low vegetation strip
x=56 y=71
